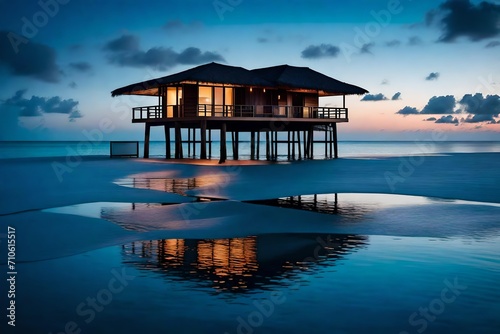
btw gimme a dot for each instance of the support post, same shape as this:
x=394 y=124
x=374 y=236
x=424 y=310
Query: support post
x=293 y=145
x=203 y=148
x=178 y=141
x=236 y=145
x=258 y=145
x=194 y=142
x=298 y=145
x=335 y=141
x=189 y=142
x=252 y=145
x=275 y=145
x=167 y=142
x=210 y=143
x=268 y=153
x=146 y=140
x=223 y=149
x=288 y=145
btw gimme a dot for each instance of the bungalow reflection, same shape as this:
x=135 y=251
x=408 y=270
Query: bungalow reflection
x=242 y=264
x=156 y=181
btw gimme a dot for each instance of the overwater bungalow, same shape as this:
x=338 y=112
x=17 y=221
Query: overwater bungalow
x=236 y=100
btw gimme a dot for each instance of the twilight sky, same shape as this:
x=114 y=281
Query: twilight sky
x=429 y=65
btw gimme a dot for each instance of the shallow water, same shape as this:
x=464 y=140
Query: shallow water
x=403 y=264
x=277 y=283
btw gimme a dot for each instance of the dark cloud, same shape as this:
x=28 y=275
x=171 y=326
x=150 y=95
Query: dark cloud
x=432 y=76
x=393 y=43
x=125 y=43
x=125 y=51
x=262 y=40
x=367 y=48
x=461 y=18
x=479 y=109
x=430 y=119
x=374 y=97
x=320 y=51
x=492 y=44
x=396 y=96
x=27 y=58
x=72 y=84
x=415 y=40
x=440 y=105
x=81 y=66
x=37 y=106
x=483 y=108
x=447 y=120
x=408 y=111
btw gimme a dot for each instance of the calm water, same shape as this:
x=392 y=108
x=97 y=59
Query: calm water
x=157 y=148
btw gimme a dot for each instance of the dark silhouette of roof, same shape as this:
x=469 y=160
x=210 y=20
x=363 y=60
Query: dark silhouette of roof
x=284 y=76
x=290 y=77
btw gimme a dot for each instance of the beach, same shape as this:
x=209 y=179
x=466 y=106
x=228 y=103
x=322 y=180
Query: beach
x=83 y=212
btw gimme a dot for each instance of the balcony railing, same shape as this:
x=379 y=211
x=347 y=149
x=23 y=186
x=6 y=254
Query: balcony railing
x=209 y=110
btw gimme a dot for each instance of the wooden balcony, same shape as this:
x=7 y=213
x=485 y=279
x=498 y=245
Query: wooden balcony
x=238 y=111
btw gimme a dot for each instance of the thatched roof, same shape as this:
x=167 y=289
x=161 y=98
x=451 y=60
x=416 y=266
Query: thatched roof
x=209 y=73
x=284 y=76
x=292 y=77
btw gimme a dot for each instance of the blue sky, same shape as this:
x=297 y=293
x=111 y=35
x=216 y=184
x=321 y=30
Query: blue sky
x=429 y=65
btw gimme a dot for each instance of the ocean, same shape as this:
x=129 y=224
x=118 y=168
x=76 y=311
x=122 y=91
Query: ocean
x=26 y=149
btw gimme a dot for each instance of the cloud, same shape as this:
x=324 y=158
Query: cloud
x=415 y=40
x=447 y=120
x=461 y=18
x=385 y=82
x=124 y=43
x=320 y=51
x=393 y=43
x=396 y=96
x=367 y=48
x=492 y=44
x=408 y=111
x=440 y=105
x=81 y=66
x=483 y=109
x=72 y=84
x=430 y=119
x=374 y=97
x=27 y=58
x=37 y=106
x=479 y=109
x=432 y=76
x=125 y=51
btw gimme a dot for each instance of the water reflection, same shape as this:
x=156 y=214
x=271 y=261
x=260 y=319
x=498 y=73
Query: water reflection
x=156 y=181
x=241 y=264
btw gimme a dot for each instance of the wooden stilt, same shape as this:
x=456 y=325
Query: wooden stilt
x=298 y=144
x=258 y=145
x=252 y=145
x=210 y=144
x=335 y=141
x=223 y=149
x=331 y=143
x=146 y=140
x=293 y=145
x=275 y=145
x=189 y=142
x=311 y=143
x=236 y=145
x=306 y=145
x=326 y=142
x=268 y=153
x=178 y=141
x=288 y=145
x=167 y=142
x=203 y=148
x=194 y=143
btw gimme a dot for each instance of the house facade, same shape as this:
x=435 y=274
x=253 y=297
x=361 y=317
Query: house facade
x=233 y=99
